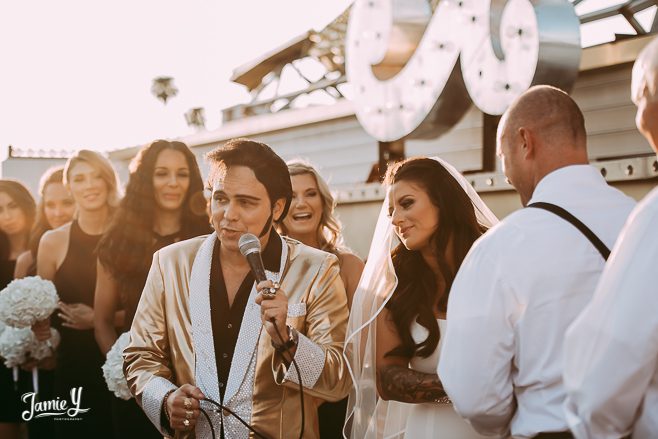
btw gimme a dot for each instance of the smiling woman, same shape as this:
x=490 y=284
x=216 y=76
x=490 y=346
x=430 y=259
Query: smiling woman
x=399 y=309
x=67 y=257
x=312 y=221
x=56 y=208
x=163 y=204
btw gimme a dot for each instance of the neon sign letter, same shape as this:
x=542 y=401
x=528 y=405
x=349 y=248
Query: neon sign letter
x=402 y=59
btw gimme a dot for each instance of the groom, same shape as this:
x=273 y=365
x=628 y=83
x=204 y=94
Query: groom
x=203 y=329
x=525 y=281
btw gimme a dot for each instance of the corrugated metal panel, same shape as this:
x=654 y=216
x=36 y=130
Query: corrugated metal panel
x=604 y=97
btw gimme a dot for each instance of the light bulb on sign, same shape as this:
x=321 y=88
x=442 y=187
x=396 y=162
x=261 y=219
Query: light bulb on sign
x=503 y=48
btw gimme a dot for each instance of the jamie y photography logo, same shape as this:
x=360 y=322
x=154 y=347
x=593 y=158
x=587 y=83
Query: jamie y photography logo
x=58 y=408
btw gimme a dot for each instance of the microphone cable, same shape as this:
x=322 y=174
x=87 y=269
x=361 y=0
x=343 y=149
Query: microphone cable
x=259 y=435
x=299 y=377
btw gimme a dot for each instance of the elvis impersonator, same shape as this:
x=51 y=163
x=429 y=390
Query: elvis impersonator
x=205 y=330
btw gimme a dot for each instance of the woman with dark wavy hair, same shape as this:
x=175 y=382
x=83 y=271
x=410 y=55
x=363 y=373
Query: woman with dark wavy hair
x=163 y=204
x=17 y=212
x=399 y=309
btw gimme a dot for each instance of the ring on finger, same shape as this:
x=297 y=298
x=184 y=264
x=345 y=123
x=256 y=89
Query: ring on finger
x=270 y=292
x=186 y=423
x=187 y=403
x=188 y=414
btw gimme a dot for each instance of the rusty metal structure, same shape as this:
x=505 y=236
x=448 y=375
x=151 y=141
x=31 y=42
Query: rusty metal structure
x=327 y=47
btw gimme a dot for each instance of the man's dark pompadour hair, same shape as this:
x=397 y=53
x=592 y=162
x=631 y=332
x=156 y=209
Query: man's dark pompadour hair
x=269 y=168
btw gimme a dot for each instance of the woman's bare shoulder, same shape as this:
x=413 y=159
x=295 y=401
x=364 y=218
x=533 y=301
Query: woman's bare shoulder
x=56 y=237
x=23 y=263
x=348 y=260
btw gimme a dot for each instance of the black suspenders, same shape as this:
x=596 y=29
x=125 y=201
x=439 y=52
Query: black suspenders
x=557 y=210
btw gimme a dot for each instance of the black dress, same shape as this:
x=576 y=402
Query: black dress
x=331 y=415
x=128 y=418
x=79 y=359
x=41 y=428
x=10 y=394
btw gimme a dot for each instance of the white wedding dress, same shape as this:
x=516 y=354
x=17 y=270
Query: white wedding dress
x=429 y=420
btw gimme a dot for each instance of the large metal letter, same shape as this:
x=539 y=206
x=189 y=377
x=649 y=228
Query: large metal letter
x=402 y=60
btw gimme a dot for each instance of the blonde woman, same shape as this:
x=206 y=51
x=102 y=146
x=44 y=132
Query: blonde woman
x=312 y=221
x=56 y=207
x=67 y=256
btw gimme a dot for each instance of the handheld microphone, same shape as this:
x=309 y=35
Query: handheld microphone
x=250 y=248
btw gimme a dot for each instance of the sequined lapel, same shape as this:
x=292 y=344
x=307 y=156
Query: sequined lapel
x=245 y=347
x=205 y=372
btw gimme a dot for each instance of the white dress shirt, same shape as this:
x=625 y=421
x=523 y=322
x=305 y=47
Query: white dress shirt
x=611 y=350
x=519 y=288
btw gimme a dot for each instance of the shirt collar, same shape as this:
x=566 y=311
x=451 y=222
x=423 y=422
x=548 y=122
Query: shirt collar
x=272 y=253
x=561 y=181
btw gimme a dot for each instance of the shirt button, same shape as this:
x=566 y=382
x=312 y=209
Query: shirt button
x=230 y=326
x=224 y=355
x=221 y=385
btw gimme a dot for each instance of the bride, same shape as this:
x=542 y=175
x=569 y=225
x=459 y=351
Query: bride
x=399 y=310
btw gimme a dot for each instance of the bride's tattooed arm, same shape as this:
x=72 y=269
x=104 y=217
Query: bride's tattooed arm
x=406 y=385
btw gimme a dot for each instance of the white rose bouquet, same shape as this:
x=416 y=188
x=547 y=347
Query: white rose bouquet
x=26 y=301
x=23 y=303
x=14 y=345
x=40 y=350
x=113 y=368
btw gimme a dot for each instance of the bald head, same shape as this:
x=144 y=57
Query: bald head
x=543 y=130
x=549 y=113
x=644 y=92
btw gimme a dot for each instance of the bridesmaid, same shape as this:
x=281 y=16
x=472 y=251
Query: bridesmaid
x=163 y=204
x=56 y=208
x=17 y=212
x=312 y=221
x=67 y=256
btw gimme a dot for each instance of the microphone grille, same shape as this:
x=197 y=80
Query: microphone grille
x=248 y=244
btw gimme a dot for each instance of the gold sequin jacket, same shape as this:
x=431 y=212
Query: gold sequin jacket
x=171 y=343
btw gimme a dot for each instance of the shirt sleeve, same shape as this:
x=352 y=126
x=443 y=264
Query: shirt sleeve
x=611 y=350
x=478 y=348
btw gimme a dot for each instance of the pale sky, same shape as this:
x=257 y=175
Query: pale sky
x=77 y=73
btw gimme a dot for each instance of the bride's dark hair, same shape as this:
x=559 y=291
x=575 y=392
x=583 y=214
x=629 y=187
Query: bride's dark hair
x=416 y=292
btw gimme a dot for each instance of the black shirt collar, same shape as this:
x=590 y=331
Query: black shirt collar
x=272 y=253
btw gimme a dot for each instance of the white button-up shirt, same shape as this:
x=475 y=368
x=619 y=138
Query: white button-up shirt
x=611 y=350
x=520 y=287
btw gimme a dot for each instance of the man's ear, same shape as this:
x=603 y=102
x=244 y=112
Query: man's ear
x=277 y=209
x=528 y=145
